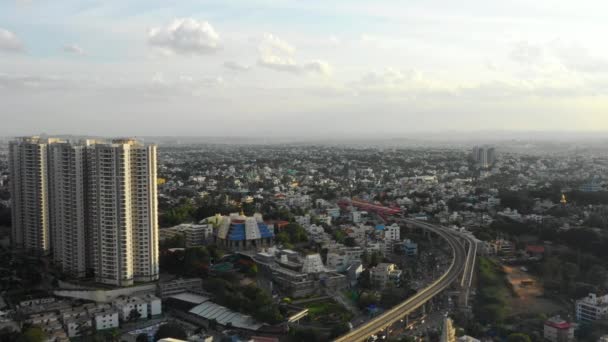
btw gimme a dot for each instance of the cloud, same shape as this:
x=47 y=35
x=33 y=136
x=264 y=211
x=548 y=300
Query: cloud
x=277 y=54
x=185 y=36
x=320 y=67
x=577 y=58
x=73 y=48
x=274 y=45
x=526 y=53
x=9 y=42
x=235 y=66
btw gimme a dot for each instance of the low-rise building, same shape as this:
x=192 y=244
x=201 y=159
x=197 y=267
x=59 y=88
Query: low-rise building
x=340 y=257
x=410 y=248
x=175 y=286
x=592 y=308
x=313 y=264
x=138 y=307
x=384 y=274
x=558 y=330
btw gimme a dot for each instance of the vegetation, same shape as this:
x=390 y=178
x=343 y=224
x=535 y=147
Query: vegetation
x=247 y=299
x=176 y=215
x=491 y=302
x=292 y=234
x=193 y=261
x=518 y=337
x=5 y=215
x=328 y=312
x=170 y=330
x=297 y=334
x=32 y=334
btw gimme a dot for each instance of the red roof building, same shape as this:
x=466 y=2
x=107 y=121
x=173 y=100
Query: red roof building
x=558 y=330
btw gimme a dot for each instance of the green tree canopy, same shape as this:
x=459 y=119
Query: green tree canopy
x=170 y=330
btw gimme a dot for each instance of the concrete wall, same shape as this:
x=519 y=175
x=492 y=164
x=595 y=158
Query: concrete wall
x=102 y=295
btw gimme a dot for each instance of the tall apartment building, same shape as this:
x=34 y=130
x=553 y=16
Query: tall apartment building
x=67 y=202
x=94 y=204
x=122 y=210
x=28 y=169
x=484 y=156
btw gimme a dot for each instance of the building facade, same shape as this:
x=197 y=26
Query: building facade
x=92 y=204
x=67 y=191
x=592 y=308
x=123 y=218
x=384 y=274
x=28 y=170
x=558 y=330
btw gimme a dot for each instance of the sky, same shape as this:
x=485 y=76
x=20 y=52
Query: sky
x=305 y=68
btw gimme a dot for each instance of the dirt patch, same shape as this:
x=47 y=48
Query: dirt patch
x=524 y=285
x=528 y=293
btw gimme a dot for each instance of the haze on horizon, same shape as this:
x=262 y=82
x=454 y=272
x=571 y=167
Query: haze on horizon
x=305 y=68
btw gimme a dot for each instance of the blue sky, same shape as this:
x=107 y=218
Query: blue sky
x=301 y=67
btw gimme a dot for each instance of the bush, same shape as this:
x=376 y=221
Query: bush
x=171 y=330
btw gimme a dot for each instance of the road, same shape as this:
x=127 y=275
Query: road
x=459 y=258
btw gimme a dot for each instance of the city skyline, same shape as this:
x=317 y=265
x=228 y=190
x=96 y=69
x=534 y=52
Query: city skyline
x=300 y=68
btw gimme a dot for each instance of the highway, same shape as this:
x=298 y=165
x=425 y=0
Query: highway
x=460 y=257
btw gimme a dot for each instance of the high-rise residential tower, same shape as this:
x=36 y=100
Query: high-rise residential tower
x=484 y=156
x=28 y=169
x=122 y=211
x=67 y=203
x=93 y=204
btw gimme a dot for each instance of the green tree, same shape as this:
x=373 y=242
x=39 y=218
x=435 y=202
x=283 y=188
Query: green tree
x=134 y=315
x=141 y=338
x=339 y=330
x=32 y=334
x=518 y=337
x=171 y=330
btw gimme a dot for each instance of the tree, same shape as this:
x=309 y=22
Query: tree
x=32 y=334
x=170 y=330
x=141 y=338
x=134 y=315
x=518 y=337
x=339 y=330
x=350 y=242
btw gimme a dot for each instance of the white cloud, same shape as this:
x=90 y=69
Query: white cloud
x=185 y=36
x=526 y=53
x=9 y=42
x=318 y=66
x=73 y=48
x=274 y=45
x=277 y=54
x=235 y=66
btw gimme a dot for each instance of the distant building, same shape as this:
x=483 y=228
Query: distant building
x=340 y=258
x=592 y=308
x=194 y=234
x=392 y=235
x=594 y=185
x=448 y=333
x=467 y=338
x=384 y=274
x=92 y=203
x=356 y=216
x=169 y=288
x=558 y=330
x=484 y=156
x=312 y=264
x=240 y=232
x=410 y=248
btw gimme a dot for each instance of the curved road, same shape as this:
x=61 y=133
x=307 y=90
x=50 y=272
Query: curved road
x=395 y=314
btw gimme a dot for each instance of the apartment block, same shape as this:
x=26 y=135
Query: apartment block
x=91 y=204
